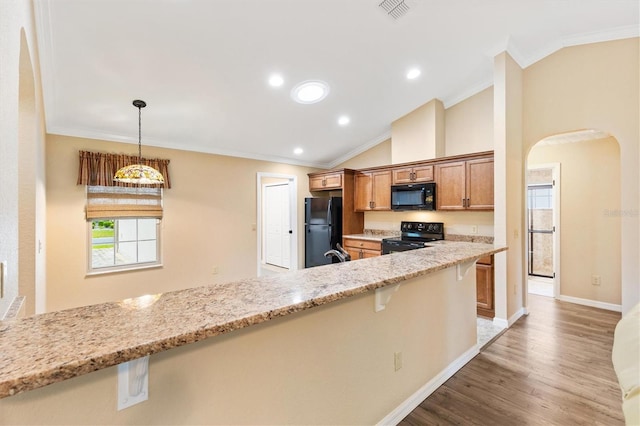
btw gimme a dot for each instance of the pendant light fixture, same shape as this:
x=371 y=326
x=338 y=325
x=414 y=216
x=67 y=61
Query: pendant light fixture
x=139 y=173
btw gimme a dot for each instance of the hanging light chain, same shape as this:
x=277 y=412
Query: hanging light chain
x=139 y=134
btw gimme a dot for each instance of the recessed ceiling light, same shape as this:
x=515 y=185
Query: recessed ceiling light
x=276 y=80
x=344 y=120
x=413 y=73
x=298 y=151
x=310 y=92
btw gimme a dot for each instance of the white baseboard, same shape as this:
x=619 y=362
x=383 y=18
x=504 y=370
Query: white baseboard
x=421 y=394
x=515 y=317
x=502 y=323
x=592 y=303
x=506 y=323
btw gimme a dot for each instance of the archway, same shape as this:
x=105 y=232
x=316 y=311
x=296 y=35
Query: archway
x=589 y=228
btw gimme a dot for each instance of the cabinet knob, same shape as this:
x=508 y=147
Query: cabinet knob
x=464 y=202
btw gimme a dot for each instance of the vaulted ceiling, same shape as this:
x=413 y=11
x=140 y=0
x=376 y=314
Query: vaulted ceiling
x=203 y=66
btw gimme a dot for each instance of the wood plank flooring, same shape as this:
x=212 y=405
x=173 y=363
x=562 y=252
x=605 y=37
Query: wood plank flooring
x=552 y=367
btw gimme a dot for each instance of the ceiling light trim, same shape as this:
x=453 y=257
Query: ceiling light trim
x=298 y=88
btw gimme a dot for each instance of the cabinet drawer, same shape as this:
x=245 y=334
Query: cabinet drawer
x=362 y=244
x=486 y=260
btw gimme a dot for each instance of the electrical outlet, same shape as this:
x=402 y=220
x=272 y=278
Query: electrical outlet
x=596 y=280
x=214 y=270
x=397 y=360
x=474 y=229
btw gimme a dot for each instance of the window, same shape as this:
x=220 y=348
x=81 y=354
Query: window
x=540 y=196
x=124 y=228
x=118 y=243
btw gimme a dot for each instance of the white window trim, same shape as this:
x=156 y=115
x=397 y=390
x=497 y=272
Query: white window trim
x=130 y=266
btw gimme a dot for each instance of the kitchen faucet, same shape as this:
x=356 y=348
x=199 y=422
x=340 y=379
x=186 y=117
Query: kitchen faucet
x=340 y=253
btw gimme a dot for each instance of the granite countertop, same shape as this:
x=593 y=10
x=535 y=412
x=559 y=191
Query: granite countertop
x=369 y=237
x=56 y=346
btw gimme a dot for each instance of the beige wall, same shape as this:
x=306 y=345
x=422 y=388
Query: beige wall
x=469 y=124
x=419 y=135
x=594 y=86
x=22 y=221
x=590 y=216
x=379 y=155
x=332 y=364
x=209 y=215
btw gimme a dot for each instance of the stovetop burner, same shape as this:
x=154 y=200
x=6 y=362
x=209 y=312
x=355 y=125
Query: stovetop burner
x=421 y=231
x=413 y=235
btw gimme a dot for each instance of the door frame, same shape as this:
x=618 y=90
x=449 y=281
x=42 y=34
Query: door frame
x=263 y=259
x=555 y=176
x=293 y=214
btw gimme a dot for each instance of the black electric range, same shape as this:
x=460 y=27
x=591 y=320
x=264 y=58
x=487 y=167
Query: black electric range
x=414 y=235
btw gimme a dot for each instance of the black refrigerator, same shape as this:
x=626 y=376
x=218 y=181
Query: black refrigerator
x=322 y=229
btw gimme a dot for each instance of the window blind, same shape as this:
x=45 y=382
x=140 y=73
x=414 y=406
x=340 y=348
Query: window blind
x=113 y=202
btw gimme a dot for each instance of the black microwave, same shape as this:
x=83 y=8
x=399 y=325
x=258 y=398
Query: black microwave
x=417 y=196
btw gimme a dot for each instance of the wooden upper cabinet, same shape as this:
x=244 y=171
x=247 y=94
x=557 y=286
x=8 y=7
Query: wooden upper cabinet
x=480 y=184
x=415 y=174
x=325 y=181
x=450 y=186
x=373 y=191
x=465 y=185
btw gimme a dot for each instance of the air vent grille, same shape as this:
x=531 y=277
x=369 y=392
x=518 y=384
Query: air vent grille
x=395 y=8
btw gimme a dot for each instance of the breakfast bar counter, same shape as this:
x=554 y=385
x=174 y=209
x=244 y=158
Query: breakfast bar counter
x=54 y=347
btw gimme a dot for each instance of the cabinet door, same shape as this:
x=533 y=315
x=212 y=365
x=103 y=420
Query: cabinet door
x=402 y=176
x=450 y=189
x=480 y=184
x=333 y=181
x=325 y=182
x=370 y=253
x=362 y=196
x=316 y=183
x=484 y=286
x=354 y=253
x=381 y=190
x=423 y=174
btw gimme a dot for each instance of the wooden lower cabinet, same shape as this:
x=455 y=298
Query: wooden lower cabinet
x=362 y=249
x=484 y=287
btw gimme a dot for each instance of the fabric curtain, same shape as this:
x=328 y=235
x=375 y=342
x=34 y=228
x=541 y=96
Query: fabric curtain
x=114 y=202
x=97 y=168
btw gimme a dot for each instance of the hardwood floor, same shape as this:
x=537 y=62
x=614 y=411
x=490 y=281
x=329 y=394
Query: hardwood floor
x=552 y=367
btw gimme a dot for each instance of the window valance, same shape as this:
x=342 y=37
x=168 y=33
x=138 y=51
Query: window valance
x=98 y=168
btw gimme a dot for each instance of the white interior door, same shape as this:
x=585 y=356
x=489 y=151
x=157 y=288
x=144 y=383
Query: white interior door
x=277 y=241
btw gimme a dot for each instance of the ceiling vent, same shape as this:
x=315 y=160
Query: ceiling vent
x=397 y=8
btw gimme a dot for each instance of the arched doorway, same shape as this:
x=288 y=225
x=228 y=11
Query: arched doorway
x=587 y=263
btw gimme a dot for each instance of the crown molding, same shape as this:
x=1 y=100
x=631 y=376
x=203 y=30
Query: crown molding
x=89 y=134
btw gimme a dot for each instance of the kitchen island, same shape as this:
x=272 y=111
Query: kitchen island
x=342 y=343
